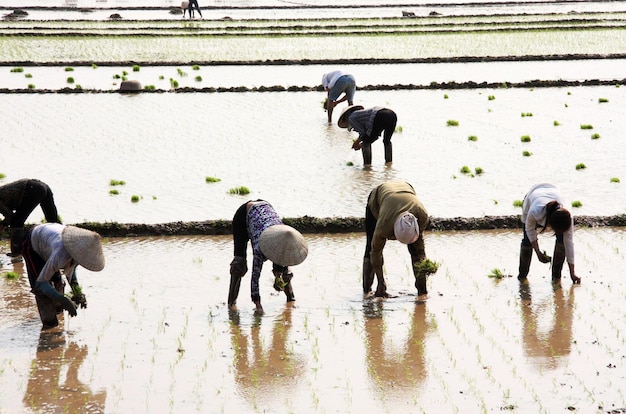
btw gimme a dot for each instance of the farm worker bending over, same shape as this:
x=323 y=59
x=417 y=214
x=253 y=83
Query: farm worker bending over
x=17 y=200
x=335 y=83
x=370 y=123
x=258 y=222
x=543 y=208
x=393 y=212
x=50 y=248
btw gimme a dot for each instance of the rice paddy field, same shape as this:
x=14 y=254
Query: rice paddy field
x=491 y=98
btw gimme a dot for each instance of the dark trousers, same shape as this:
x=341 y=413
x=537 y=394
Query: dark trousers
x=36 y=193
x=384 y=121
x=34 y=263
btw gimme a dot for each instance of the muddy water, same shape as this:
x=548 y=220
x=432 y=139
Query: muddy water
x=280 y=147
x=158 y=337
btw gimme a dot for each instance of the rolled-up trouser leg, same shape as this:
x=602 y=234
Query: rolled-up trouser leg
x=17 y=238
x=558 y=258
x=525 y=257
x=366 y=149
x=233 y=291
x=288 y=287
x=368 y=275
x=388 y=152
x=47 y=310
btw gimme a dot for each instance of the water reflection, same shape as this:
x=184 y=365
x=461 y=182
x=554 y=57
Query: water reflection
x=547 y=341
x=386 y=369
x=45 y=392
x=264 y=369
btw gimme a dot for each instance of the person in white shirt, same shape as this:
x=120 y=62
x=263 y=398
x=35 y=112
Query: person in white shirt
x=336 y=83
x=51 y=248
x=543 y=207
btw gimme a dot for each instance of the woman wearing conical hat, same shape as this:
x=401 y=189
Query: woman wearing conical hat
x=257 y=222
x=51 y=248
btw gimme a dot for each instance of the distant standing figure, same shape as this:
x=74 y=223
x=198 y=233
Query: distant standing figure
x=17 y=200
x=193 y=4
x=51 y=248
x=393 y=212
x=543 y=208
x=258 y=222
x=370 y=123
x=336 y=83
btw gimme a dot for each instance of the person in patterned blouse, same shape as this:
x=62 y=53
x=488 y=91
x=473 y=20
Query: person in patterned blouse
x=257 y=221
x=370 y=123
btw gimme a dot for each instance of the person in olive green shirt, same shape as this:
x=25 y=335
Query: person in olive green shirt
x=393 y=212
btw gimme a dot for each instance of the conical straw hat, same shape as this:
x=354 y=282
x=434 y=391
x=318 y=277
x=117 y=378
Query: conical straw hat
x=84 y=246
x=283 y=245
x=342 y=122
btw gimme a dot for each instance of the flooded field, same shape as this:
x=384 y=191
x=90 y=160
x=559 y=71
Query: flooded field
x=157 y=335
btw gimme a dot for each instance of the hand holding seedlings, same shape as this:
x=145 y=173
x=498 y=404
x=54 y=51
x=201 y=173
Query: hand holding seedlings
x=78 y=296
x=543 y=257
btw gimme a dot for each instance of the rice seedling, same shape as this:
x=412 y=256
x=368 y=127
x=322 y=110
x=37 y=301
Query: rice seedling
x=241 y=190
x=586 y=126
x=398 y=128
x=195 y=67
x=527 y=153
x=478 y=170
x=210 y=179
x=603 y=100
x=614 y=180
x=79 y=87
x=31 y=86
x=113 y=182
x=350 y=164
x=576 y=204
x=114 y=192
x=198 y=78
x=161 y=77
x=173 y=83
x=426 y=267
x=526 y=114
x=581 y=166
x=595 y=136
x=94 y=66
x=149 y=88
x=136 y=68
x=134 y=198
x=525 y=138
x=117 y=76
x=17 y=70
x=517 y=203
x=2 y=175
x=11 y=275
x=70 y=80
x=28 y=75
x=69 y=69
x=491 y=97
x=472 y=138
x=445 y=96
x=556 y=123
x=181 y=72
x=124 y=73
x=465 y=169
x=452 y=122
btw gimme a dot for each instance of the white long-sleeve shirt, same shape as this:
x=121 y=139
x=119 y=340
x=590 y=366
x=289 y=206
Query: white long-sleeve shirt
x=329 y=79
x=47 y=243
x=534 y=213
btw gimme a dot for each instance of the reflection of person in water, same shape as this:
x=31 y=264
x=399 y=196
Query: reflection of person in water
x=390 y=370
x=275 y=369
x=45 y=392
x=555 y=342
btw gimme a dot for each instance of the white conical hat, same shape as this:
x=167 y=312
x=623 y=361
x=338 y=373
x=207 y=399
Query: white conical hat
x=406 y=229
x=283 y=245
x=84 y=246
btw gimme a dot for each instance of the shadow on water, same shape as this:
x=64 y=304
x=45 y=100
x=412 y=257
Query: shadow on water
x=547 y=325
x=54 y=384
